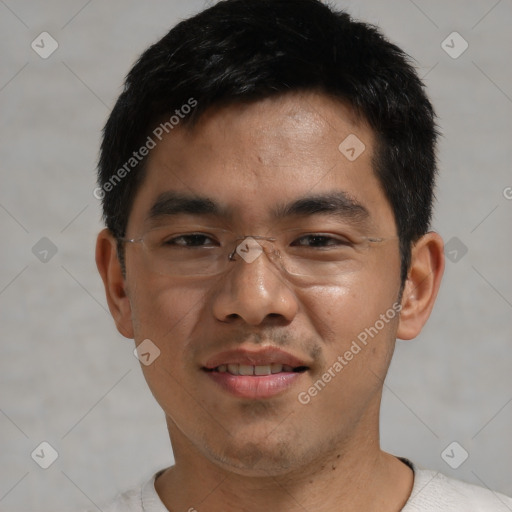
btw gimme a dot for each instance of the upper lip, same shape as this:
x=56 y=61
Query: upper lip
x=259 y=357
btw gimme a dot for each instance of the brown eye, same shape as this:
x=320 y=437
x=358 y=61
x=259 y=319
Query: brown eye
x=190 y=240
x=318 y=240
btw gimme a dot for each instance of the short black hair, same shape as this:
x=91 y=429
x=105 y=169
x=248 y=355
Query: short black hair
x=246 y=50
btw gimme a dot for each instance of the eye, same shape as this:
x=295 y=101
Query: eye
x=190 y=240
x=320 y=240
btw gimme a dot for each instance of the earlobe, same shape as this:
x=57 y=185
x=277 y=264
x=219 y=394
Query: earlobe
x=422 y=285
x=109 y=268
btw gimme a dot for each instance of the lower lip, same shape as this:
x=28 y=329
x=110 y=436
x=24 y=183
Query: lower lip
x=256 y=386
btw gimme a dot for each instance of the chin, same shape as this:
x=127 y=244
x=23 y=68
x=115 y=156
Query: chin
x=255 y=460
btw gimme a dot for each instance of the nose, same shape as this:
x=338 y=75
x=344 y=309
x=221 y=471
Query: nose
x=254 y=290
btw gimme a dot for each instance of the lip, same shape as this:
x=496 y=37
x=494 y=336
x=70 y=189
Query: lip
x=263 y=356
x=255 y=386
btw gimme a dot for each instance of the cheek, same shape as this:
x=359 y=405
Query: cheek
x=165 y=310
x=358 y=345
x=167 y=313
x=339 y=313
x=357 y=322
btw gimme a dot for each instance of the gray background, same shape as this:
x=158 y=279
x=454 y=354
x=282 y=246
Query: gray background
x=70 y=379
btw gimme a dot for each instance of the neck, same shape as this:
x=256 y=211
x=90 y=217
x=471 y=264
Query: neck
x=361 y=477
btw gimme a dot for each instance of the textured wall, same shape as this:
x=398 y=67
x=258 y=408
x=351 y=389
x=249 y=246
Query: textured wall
x=68 y=378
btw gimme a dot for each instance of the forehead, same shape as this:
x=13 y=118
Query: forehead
x=252 y=158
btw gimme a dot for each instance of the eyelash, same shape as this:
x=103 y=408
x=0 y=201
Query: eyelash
x=339 y=241
x=318 y=236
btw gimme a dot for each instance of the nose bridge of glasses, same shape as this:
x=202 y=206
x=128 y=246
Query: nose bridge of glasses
x=250 y=247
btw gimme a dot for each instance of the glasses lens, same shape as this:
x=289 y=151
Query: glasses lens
x=320 y=255
x=178 y=250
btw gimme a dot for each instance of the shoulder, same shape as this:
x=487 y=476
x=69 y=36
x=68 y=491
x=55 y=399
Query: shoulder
x=433 y=491
x=128 y=501
x=142 y=498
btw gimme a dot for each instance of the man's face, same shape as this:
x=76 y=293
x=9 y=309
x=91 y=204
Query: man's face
x=250 y=160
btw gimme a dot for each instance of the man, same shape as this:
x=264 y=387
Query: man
x=267 y=181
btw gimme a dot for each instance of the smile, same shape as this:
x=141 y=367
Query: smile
x=259 y=370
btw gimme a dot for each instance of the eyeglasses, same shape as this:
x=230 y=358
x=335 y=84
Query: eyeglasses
x=176 y=250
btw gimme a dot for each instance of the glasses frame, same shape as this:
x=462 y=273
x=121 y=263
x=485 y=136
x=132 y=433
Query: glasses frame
x=272 y=253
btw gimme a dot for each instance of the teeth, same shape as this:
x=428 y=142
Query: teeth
x=246 y=369
x=233 y=369
x=262 y=370
x=276 y=368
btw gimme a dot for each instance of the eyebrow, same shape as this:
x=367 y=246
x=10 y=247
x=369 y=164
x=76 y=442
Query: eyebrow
x=176 y=203
x=337 y=204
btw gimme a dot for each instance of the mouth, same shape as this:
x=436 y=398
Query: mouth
x=256 y=370
x=255 y=374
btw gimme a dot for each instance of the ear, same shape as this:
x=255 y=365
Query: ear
x=109 y=268
x=422 y=285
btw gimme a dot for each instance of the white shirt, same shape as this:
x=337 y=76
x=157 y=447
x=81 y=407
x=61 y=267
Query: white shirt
x=431 y=492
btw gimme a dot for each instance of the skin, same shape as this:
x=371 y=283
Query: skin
x=276 y=453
